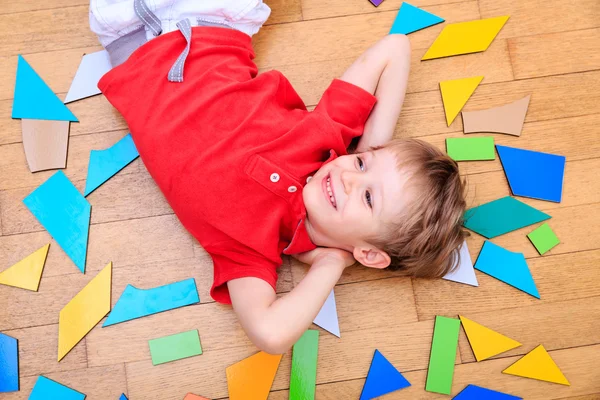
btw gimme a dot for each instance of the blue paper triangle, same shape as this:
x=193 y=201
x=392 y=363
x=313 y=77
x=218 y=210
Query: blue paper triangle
x=47 y=389
x=506 y=266
x=123 y=397
x=33 y=99
x=474 y=392
x=382 y=378
x=533 y=174
x=411 y=19
x=327 y=317
x=9 y=364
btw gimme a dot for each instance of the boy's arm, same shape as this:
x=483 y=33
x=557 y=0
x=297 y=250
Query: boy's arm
x=383 y=71
x=273 y=324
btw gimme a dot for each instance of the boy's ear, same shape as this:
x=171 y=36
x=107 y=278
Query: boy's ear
x=371 y=257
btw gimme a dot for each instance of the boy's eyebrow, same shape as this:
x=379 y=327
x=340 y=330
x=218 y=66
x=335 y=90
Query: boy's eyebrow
x=379 y=203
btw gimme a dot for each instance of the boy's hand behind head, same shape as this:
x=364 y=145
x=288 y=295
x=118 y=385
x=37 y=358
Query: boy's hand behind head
x=328 y=254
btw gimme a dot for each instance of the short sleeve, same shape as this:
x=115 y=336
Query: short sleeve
x=348 y=107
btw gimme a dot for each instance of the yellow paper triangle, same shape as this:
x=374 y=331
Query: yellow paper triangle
x=485 y=342
x=537 y=364
x=465 y=37
x=26 y=274
x=455 y=94
x=251 y=378
x=84 y=311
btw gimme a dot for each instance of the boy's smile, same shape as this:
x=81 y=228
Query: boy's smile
x=329 y=191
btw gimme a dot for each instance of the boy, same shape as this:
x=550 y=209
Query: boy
x=252 y=174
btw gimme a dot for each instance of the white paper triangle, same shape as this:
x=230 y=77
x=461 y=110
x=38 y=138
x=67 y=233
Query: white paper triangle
x=91 y=69
x=465 y=272
x=327 y=317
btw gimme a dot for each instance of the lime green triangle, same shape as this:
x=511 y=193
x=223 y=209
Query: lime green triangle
x=537 y=364
x=485 y=342
x=455 y=94
x=26 y=274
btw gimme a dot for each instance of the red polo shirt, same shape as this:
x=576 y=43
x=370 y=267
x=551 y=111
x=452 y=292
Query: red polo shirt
x=230 y=149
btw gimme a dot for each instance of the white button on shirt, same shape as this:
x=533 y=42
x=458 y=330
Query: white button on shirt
x=274 y=177
x=308 y=179
x=292 y=189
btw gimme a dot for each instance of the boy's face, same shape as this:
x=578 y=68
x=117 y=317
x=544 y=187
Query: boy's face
x=351 y=197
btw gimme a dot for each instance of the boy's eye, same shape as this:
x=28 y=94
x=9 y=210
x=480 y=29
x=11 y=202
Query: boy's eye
x=368 y=197
x=361 y=164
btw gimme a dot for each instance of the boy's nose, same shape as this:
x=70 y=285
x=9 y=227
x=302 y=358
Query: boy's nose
x=349 y=180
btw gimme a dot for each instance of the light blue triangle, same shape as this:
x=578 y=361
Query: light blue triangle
x=33 y=99
x=506 y=266
x=474 y=392
x=327 y=317
x=411 y=19
x=382 y=378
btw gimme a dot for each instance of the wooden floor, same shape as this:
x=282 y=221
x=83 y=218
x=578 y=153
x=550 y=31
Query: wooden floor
x=549 y=49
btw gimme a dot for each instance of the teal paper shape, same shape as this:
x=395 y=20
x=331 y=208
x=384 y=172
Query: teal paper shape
x=33 y=99
x=106 y=163
x=136 y=303
x=47 y=389
x=65 y=214
x=506 y=266
x=501 y=216
x=411 y=19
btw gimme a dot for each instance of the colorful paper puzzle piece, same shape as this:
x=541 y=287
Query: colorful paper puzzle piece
x=327 y=317
x=471 y=148
x=191 y=396
x=533 y=174
x=91 y=69
x=33 y=99
x=65 y=214
x=123 y=397
x=106 y=163
x=47 y=389
x=506 y=266
x=45 y=143
x=84 y=311
x=411 y=19
x=175 y=347
x=485 y=342
x=443 y=355
x=501 y=216
x=543 y=238
x=474 y=392
x=136 y=303
x=456 y=93
x=303 y=380
x=251 y=378
x=9 y=364
x=376 y=3
x=465 y=37
x=537 y=364
x=508 y=119
x=464 y=273
x=27 y=273
x=383 y=378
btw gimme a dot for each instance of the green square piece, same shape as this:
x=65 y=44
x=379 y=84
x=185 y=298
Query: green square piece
x=175 y=347
x=471 y=148
x=543 y=238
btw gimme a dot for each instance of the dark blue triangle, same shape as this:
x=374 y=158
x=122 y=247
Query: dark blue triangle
x=473 y=392
x=383 y=378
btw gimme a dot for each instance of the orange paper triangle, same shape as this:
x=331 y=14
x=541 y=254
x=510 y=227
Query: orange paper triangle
x=456 y=93
x=485 y=342
x=27 y=273
x=537 y=364
x=251 y=378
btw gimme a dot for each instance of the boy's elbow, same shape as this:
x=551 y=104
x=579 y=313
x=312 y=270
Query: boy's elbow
x=270 y=341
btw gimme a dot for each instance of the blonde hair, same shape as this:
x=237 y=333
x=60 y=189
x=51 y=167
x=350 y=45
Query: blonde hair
x=423 y=241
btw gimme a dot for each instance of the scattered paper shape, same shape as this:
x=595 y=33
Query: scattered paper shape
x=9 y=364
x=485 y=342
x=501 y=216
x=175 y=347
x=465 y=37
x=376 y=3
x=506 y=266
x=537 y=364
x=84 y=311
x=47 y=389
x=543 y=238
x=383 y=378
x=508 y=119
x=33 y=99
x=474 y=392
x=65 y=214
x=106 y=163
x=532 y=173
x=123 y=397
x=327 y=317
x=443 y=355
x=471 y=148
x=456 y=93
x=91 y=69
x=27 y=273
x=191 y=396
x=45 y=143
x=303 y=380
x=136 y=303
x=464 y=273
x=252 y=378
x=411 y=19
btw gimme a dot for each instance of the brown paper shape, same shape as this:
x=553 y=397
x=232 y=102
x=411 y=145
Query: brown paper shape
x=45 y=143
x=507 y=119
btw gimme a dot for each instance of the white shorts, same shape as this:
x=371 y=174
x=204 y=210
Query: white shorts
x=112 y=19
